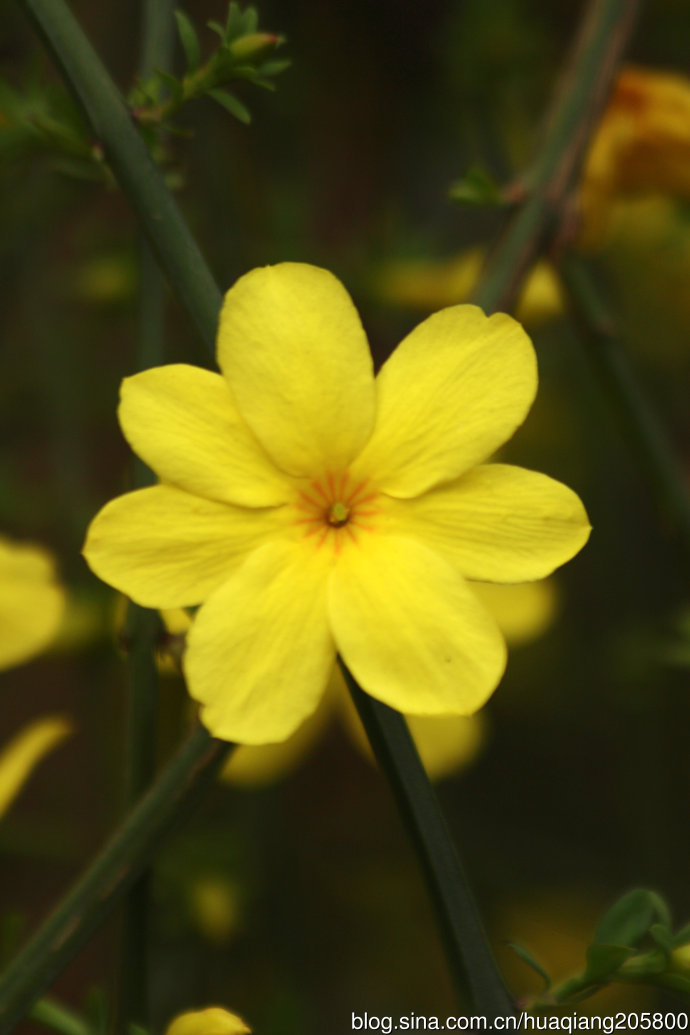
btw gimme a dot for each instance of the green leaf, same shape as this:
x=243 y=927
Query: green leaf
x=529 y=959
x=50 y=1013
x=173 y=84
x=476 y=187
x=274 y=67
x=231 y=104
x=265 y=84
x=663 y=938
x=251 y=20
x=243 y=71
x=604 y=960
x=217 y=27
x=630 y=918
x=682 y=937
x=234 y=26
x=189 y=40
x=145 y=92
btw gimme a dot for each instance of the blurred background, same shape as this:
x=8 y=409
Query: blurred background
x=296 y=900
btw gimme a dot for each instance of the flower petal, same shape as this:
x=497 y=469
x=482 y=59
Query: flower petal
x=260 y=653
x=452 y=392
x=214 y=1020
x=411 y=630
x=25 y=750
x=497 y=523
x=253 y=765
x=32 y=604
x=184 y=423
x=165 y=548
x=294 y=351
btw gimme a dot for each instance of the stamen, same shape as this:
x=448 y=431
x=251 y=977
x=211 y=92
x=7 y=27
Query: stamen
x=338 y=515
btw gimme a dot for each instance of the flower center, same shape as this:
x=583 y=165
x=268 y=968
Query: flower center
x=338 y=514
x=335 y=508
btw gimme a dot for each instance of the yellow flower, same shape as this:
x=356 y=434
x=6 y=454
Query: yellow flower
x=431 y=284
x=214 y=1020
x=642 y=145
x=26 y=749
x=312 y=509
x=31 y=601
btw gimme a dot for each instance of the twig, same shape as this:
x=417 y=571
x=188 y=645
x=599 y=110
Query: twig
x=110 y=120
x=467 y=947
x=641 y=427
x=583 y=91
x=90 y=901
x=143 y=627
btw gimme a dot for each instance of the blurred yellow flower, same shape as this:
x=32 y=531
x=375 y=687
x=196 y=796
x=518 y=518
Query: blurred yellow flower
x=680 y=959
x=214 y=1020
x=31 y=601
x=107 y=279
x=23 y=753
x=642 y=146
x=523 y=611
x=215 y=907
x=312 y=509
x=426 y=284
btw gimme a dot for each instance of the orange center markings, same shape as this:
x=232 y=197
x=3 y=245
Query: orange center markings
x=331 y=506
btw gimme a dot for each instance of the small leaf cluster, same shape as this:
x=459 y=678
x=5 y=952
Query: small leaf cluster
x=42 y=120
x=634 y=943
x=244 y=53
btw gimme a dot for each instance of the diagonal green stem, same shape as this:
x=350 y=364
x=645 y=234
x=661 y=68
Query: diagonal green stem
x=92 y=898
x=638 y=420
x=583 y=91
x=467 y=948
x=112 y=124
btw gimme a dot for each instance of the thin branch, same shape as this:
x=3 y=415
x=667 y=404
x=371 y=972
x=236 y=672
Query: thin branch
x=142 y=183
x=643 y=430
x=92 y=898
x=583 y=91
x=467 y=947
x=143 y=627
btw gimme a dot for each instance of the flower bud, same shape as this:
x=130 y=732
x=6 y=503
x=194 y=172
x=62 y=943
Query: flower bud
x=254 y=47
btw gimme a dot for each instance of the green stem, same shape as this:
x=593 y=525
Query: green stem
x=143 y=626
x=56 y=1016
x=90 y=901
x=111 y=122
x=465 y=941
x=643 y=431
x=142 y=629
x=583 y=91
